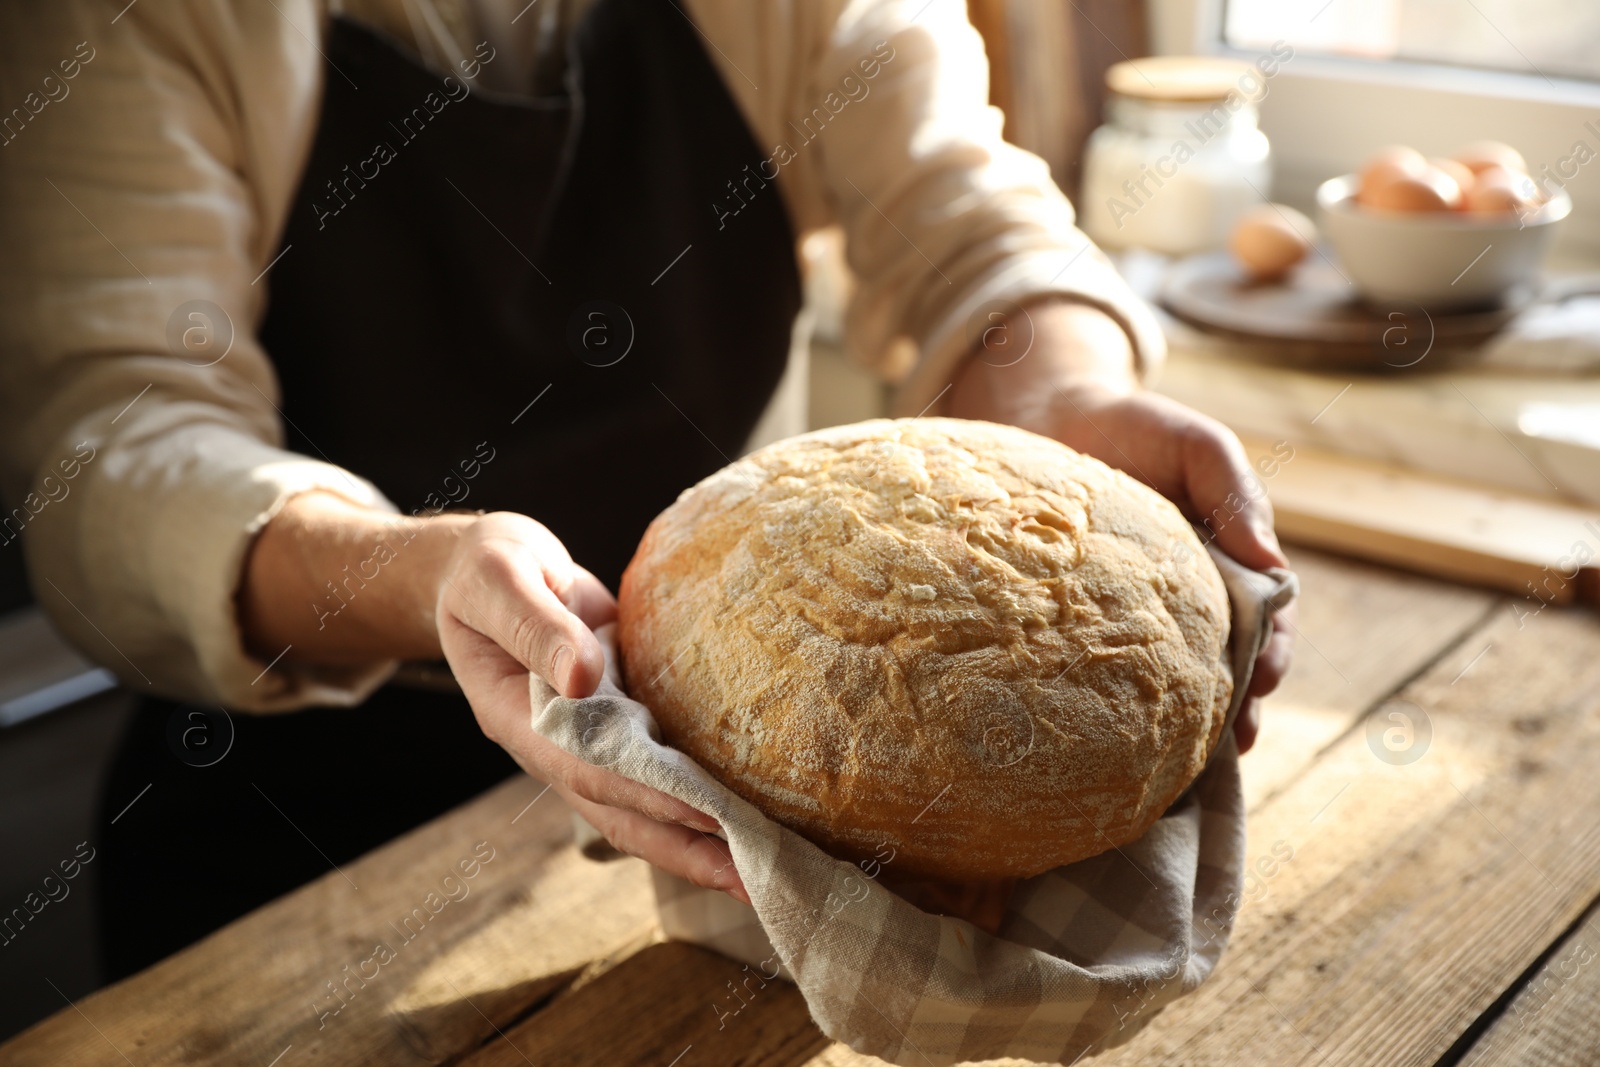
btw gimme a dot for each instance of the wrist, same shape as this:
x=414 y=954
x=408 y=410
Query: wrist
x=1088 y=350
x=1075 y=356
x=337 y=582
x=418 y=549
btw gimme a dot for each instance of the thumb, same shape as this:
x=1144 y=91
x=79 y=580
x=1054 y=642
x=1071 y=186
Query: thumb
x=1231 y=499
x=552 y=642
x=508 y=600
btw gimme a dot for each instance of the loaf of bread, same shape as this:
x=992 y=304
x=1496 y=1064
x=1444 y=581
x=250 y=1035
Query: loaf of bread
x=962 y=642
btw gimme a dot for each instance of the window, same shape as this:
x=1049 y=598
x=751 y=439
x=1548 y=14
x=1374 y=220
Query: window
x=1434 y=74
x=1545 y=38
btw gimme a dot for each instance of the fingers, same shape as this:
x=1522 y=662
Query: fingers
x=589 y=599
x=1229 y=497
x=1270 y=667
x=696 y=857
x=515 y=584
x=600 y=786
x=513 y=602
x=578 y=590
x=1247 y=724
x=573 y=585
x=1273 y=662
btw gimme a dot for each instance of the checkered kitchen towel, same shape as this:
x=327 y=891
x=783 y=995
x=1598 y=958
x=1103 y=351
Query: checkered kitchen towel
x=1085 y=955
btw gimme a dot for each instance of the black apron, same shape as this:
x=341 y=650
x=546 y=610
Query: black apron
x=482 y=303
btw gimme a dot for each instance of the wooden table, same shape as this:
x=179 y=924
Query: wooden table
x=1437 y=911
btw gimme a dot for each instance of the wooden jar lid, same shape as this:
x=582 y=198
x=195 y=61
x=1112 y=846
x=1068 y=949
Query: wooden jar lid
x=1176 y=79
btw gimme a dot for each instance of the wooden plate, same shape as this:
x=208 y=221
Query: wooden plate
x=1315 y=317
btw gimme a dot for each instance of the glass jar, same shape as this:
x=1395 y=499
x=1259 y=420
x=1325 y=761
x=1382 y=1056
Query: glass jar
x=1179 y=158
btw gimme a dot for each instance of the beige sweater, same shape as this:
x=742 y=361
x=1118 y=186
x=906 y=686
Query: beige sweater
x=148 y=154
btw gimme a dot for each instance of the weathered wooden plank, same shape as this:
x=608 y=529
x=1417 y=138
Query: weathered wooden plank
x=1554 y=1020
x=1364 y=631
x=1453 y=529
x=669 y=1004
x=1416 y=892
x=533 y=916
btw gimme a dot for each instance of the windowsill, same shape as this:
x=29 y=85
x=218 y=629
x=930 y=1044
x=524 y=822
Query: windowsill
x=1436 y=77
x=1526 y=430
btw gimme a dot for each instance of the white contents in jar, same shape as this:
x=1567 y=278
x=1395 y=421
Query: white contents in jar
x=1173 y=176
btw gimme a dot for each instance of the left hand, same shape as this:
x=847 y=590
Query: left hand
x=1198 y=464
x=1076 y=385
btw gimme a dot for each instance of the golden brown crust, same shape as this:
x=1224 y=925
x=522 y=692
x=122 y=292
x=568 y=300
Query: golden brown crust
x=962 y=640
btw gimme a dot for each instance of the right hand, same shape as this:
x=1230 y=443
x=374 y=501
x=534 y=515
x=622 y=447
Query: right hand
x=511 y=601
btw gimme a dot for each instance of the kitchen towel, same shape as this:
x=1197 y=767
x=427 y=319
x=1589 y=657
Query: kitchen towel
x=1085 y=955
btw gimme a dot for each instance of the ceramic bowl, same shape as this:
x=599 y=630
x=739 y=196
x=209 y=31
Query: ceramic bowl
x=1442 y=260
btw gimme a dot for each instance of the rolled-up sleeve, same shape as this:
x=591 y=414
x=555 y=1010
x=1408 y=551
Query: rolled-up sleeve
x=877 y=117
x=139 y=208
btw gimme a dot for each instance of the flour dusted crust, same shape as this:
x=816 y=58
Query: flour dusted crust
x=960 y=640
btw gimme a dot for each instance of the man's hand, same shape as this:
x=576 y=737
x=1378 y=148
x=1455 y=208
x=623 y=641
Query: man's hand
x=496 y=595
x=512 y=601
x=1076 y=384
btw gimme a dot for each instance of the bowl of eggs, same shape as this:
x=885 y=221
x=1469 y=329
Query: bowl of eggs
x=1470 y=230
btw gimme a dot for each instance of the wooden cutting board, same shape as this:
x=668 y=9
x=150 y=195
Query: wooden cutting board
x=1545 y=550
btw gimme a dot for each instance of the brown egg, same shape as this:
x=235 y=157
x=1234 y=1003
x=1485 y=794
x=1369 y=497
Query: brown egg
x=1499 y=191
x=1463 y=177
x=1429 y=190
x=1269 y=239
x=1386 y=166
x=1392 y=162
x=1480 y=155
